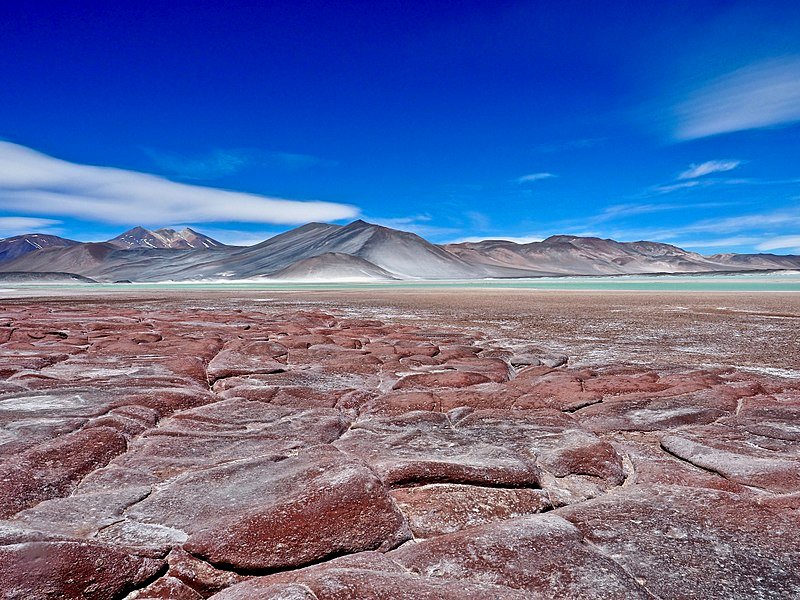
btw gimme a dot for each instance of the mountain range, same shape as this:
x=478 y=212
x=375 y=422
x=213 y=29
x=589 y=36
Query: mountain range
x=356 y=251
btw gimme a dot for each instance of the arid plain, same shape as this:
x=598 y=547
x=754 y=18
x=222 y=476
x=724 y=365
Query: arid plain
x=400 y=444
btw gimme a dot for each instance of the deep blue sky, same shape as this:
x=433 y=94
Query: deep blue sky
x=673 y=121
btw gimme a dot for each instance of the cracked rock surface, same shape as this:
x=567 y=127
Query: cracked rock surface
x=229 y=449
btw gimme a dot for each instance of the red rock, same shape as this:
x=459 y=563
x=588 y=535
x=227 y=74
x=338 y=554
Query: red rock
x=230 y=430
x=350 y=403
x=536 y=554
x=495 y=369
x=655 y=413
x=770 y=417
x=553 y=360
x=230 y=363
x=167 y=588
x=349 y=364
x=167 y=400
x=81 y=515
x=199 y=575
x=267 y=513
x=398 y=403
x=540 y=387
x=381 y=349
x=452 y=352
x=493 y=398
x=739 y=456
x=650 y=464
x=559 y=442
x=414 y=347
x=54 y=468
x=444 y=379
x=445 y=508
x=423 y=447
x=366 y=575
x=684 y=542
x=129 y=420
x=293 y=342
x=58 y=570
x=525 y=360
x=420 y=362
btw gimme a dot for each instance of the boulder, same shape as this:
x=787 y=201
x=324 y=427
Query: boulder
x=543 y=555
x=276 y=512
x=57 y=570
x=685 y=542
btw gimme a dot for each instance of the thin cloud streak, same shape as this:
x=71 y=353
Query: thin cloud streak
x=765 y=94
x=11 y=226
x=712 y=166
x=780 y=242
x=535 y=177
x=31 y=182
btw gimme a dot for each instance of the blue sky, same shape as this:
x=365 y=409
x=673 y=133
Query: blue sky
x=671 y=121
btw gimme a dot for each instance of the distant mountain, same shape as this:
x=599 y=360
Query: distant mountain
x=186 y=239
x=574 y=255
x=361 y=250
x=12 y=247
x=80 y=259
x=402 y=254
x=759 y=261
x=332 y=266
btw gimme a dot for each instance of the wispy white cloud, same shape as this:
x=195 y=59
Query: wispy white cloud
x=764 y=94
x=708 y=167
x=531 y=177
x=11 y=226
x=221 y=162
x=32 y=182
x=781 y=242
x=668 y=188
x=756 y=226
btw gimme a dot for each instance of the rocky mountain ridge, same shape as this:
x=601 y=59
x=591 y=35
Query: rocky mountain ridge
x=361 y=250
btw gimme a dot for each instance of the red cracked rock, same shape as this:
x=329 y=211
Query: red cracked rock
x=423 y=447
x=265 y=513
x=55 y=467
x=365 y=575
x=558 y=441
x=543 y=555
x=686 y=542
x=658 y=412
x=445 y=379
x=199 y=575
x=230 y=430
x=58 y=570
x=167 y=588
x=400 y=402
x=496 y=397
x=739 y=456
x=445 y=508
x=495 y=369
x=247 y=358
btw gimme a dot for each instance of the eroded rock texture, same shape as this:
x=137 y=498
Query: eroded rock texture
x=173 y=450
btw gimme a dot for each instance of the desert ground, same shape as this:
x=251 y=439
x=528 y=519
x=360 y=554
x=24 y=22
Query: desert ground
x=399 y=444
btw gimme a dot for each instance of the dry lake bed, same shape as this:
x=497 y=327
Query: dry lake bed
x=399 y=443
